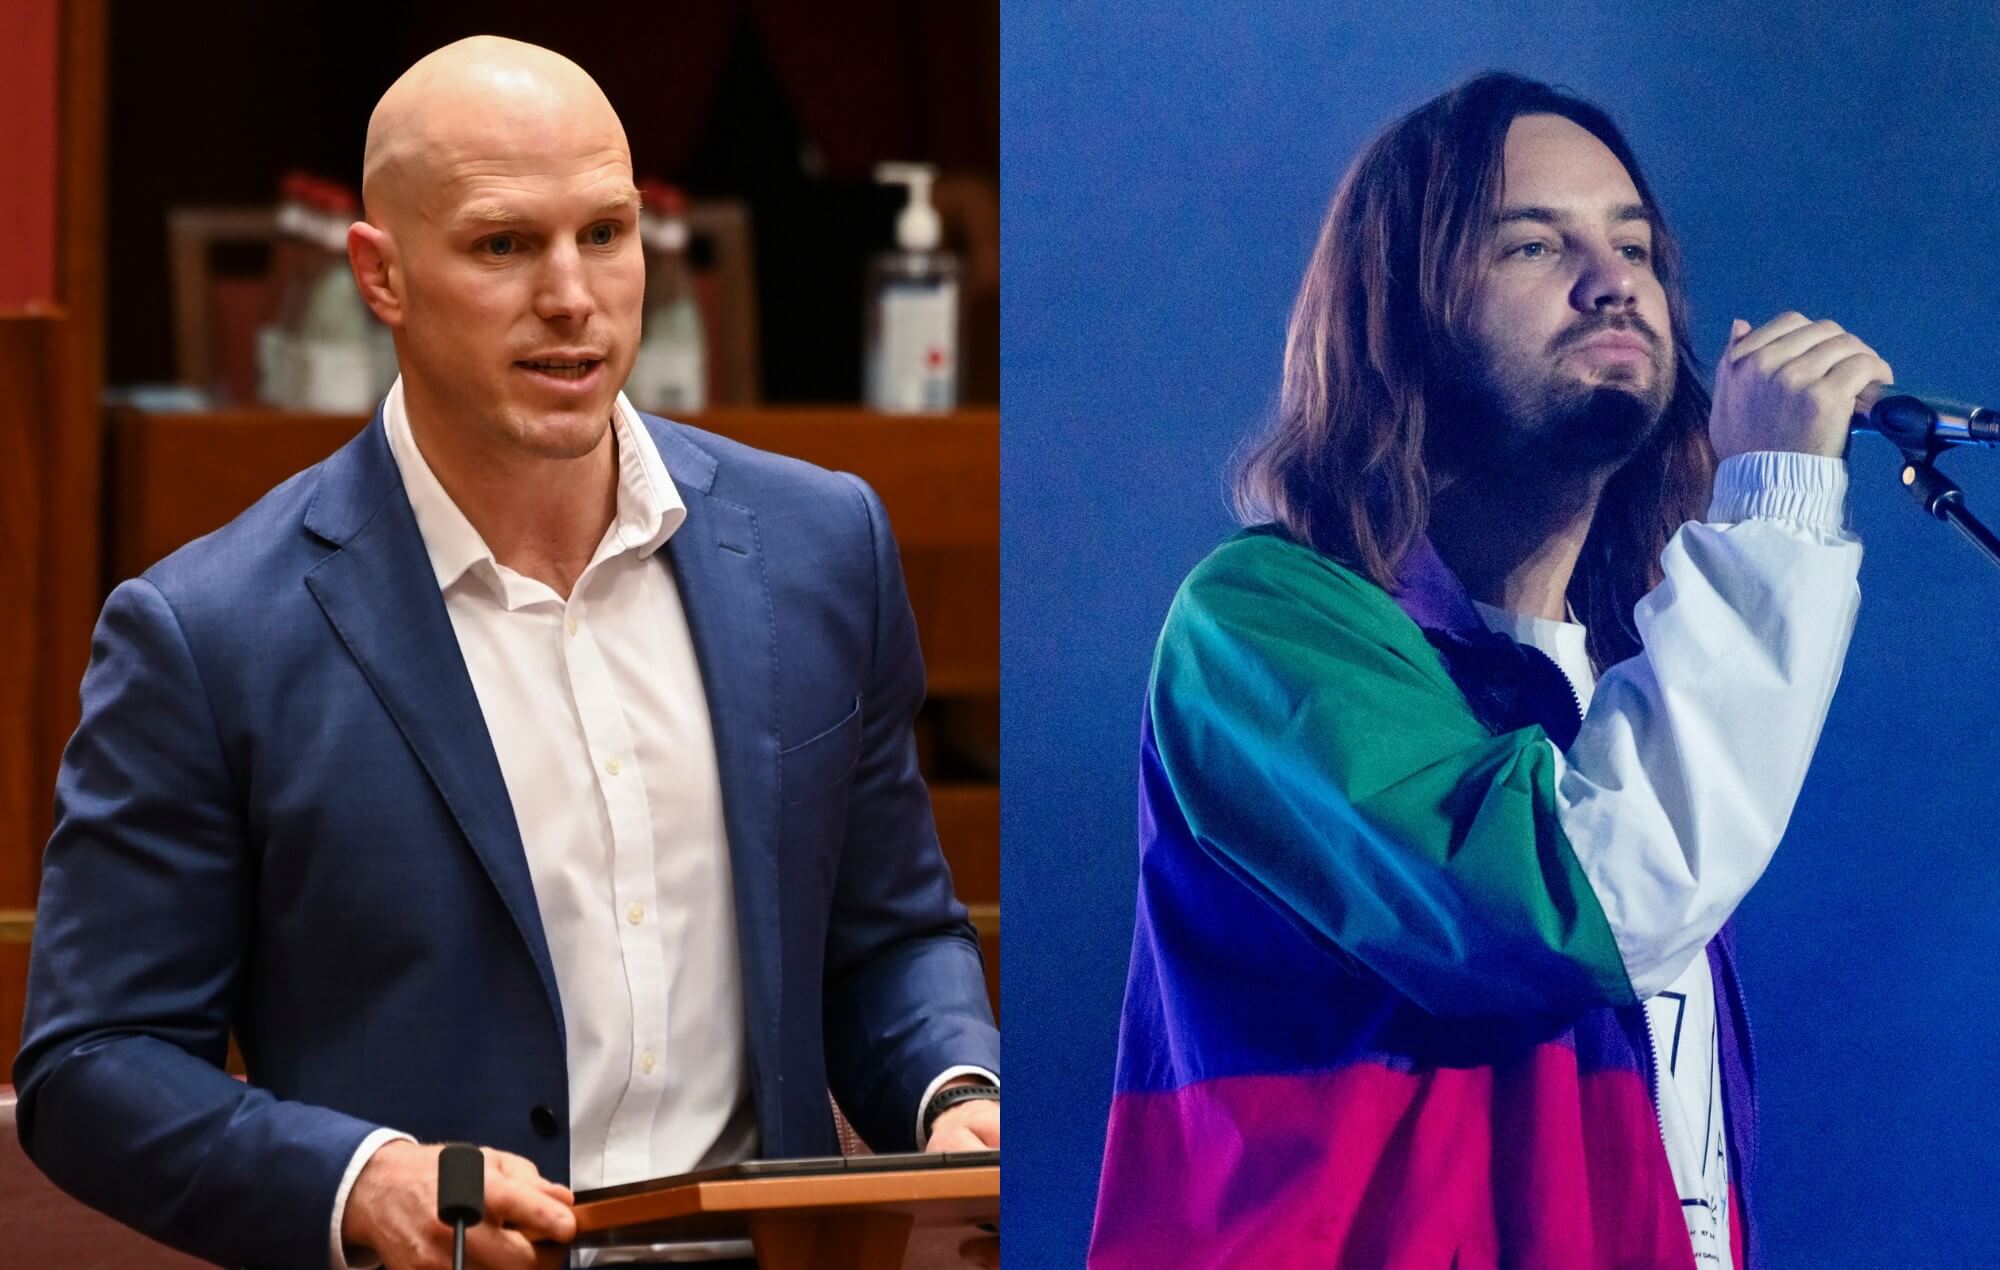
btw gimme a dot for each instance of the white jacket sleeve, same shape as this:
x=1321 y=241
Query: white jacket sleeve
x=1692 y=753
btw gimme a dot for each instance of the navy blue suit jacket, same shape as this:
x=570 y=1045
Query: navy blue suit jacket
x=282 y=814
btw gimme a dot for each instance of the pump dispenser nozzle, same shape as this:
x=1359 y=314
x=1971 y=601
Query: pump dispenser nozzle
x=917 y=228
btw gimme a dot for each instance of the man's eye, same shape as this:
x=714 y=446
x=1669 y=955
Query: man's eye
x=1635 y=253
x=1530 y=251
x=602 y=235
x=501 y=245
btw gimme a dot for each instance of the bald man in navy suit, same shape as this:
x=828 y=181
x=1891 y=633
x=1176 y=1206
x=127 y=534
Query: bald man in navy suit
x=532 y=772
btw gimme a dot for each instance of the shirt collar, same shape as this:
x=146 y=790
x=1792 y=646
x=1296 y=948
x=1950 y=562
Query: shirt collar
x=649 y=506
x=1432 y=595
x=1568 y=642
x=1508 y=684
x=649 y=503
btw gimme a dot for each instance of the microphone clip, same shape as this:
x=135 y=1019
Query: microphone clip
x=1940 y=496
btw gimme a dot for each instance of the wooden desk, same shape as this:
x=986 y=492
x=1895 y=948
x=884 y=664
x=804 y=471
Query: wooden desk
x=834 y=1221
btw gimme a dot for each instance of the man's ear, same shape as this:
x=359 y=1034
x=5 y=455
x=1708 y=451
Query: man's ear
x=371 y=253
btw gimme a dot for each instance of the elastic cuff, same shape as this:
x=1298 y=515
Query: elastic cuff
x=1808 y=489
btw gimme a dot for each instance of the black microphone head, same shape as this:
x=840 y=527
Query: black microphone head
x=461 y=1185
x=1904 y=418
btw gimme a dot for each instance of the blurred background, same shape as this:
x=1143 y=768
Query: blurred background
x=178 y=331
x=1165 y=170
x=781 y=109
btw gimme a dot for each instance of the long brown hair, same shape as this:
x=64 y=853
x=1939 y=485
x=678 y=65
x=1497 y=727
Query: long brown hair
x=1347 y=464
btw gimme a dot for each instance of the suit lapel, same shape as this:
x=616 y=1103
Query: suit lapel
x=381 y=596
x=718 y=564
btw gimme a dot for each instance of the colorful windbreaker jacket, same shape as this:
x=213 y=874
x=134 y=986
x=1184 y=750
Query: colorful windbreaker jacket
x=1375 y=1015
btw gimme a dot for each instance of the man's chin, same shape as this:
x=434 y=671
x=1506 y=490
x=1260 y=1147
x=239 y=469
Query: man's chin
x=570 y=433
x=1602 y=427
x=1589 y=431
x=1563 y=426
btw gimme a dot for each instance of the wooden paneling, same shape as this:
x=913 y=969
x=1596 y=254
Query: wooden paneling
x=73 y=471
x=23 y=404
x=178 y=476
x=956 y=594
x=175 y=477
x=989 y=948
x=23 y=407
x=30 y=84
x=968 y=824
x=51 y=373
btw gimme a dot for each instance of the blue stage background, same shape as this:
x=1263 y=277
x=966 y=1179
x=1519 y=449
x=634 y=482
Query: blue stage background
x=1164 y=172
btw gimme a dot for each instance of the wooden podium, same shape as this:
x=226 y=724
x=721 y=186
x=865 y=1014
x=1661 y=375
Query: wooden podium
x=855 y=1214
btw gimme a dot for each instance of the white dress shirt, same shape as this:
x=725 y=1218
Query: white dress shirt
x=1691 y=756
x=597 y=714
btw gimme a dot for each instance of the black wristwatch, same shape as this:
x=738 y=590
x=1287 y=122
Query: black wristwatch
x=951 y=1097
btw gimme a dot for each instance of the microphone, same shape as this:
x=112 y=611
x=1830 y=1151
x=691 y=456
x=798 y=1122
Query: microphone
x=461 y=1194
x=1918 y=421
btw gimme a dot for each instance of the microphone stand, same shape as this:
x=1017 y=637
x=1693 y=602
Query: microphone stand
x=461 y=1194
x=1913 y=427
x=1939 y=495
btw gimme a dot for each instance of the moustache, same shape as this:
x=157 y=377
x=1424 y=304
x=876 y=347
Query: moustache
x=1591 y=326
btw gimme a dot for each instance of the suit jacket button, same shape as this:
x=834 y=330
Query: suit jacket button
x=544 y=1120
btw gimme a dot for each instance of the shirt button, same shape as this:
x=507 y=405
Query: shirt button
x=611 y=765
x=646 y=1062
x=636 y=914
x=569 y=624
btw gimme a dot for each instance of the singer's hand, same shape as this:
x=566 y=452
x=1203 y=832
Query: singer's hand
x=392 y=1211
x=1790 y=384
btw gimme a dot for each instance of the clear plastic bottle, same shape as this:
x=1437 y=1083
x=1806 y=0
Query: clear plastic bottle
x=335 y=337
x=290 y=258
x=911 y=321
x=670 y=371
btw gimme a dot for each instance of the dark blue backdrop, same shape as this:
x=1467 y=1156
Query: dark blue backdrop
x=1163 y=176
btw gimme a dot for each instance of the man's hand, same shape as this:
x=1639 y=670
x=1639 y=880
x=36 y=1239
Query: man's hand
x=392 y=1211
x=1791 y=385
x=973 y=1125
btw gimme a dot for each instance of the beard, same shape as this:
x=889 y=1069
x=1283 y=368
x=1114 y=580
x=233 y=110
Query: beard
x=1531 y=419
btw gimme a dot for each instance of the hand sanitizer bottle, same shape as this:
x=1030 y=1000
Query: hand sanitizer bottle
x=912 y=314
x=336 y=360
x=289 y=261
x=670 y=371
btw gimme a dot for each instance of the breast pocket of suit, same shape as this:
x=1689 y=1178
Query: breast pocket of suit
x=821 y=765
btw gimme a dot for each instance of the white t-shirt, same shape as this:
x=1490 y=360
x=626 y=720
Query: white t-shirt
x=1681 y=1017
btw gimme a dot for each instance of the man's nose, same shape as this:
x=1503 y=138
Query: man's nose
x=1608 y=281
x=564 y=294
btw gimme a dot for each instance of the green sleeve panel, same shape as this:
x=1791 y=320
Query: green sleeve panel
x=1318 y=749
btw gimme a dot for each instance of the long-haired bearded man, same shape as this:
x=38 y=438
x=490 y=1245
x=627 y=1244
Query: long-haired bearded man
x=1457 y=760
